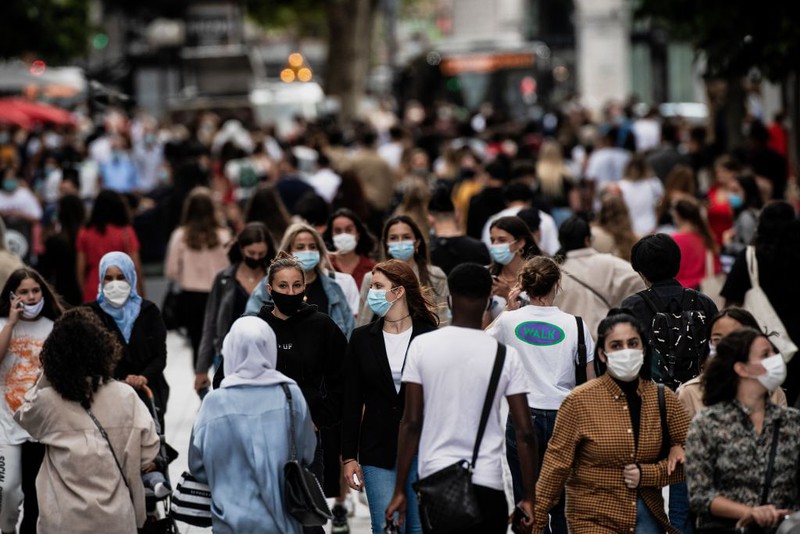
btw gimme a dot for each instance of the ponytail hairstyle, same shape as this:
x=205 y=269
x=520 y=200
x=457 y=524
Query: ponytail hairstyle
x=282 y=261
x=539 y=276
x=400 y=274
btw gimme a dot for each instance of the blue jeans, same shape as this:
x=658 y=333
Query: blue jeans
x=646 y=522
x=679 y=508
x=543 y=422
x=379 y=485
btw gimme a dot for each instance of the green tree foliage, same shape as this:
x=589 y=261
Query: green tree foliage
x=301 y=17
x=734 y=35
x=53 y=30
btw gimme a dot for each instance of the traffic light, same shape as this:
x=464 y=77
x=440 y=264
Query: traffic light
x=296 y=69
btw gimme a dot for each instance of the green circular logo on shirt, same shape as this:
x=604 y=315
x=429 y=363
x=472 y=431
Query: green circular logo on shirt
x=539 y=334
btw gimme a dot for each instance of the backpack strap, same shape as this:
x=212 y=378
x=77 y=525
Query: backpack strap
x=580 y=367
x=662 y=410
x=771 y=462
x=652 y=300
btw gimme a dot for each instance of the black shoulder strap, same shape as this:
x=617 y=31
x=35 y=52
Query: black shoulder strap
x=292 y=444
x=771 y=462
x=662 y=410
x=111 y=447
x=652 y=300
x=499 y=359
x=580 y=367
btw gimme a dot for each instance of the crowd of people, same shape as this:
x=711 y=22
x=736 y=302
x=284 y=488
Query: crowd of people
x=630 y=281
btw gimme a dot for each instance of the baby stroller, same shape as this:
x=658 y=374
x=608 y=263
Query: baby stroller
x=157 y=487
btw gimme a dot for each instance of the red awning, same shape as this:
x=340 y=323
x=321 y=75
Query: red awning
x=37 y=111
x=10 y=114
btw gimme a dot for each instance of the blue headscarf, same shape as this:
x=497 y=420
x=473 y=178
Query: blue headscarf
x=127 y=314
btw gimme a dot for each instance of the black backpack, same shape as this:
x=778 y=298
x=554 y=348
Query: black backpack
x=678 y=337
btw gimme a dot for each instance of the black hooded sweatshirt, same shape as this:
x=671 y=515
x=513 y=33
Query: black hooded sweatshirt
x=311 y=351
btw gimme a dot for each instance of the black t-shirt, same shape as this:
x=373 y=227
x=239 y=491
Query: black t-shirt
x=447 y=252
x=315 y=294
x=634 y=405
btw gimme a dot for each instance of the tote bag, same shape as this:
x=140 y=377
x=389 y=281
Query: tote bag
x=757 y=303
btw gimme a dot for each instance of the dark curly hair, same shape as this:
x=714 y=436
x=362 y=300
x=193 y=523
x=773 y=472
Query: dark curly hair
x=79 y=355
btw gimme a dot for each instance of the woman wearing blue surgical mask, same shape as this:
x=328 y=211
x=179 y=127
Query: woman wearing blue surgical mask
x=331 y=292
x=28 y=308
x=402 y=240
x=512 y=244
x=138 y=326
x=746 y=202
x=733 y=441
x=373 y=369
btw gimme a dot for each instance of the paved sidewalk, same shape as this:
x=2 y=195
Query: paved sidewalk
x=181 y=411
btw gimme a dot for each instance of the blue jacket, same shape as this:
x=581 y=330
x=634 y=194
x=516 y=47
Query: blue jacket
x=338 y=309
x=239 y=445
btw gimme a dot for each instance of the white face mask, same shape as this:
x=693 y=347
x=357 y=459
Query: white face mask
x=345 y=243
x=625 y=364
x=712 y=350
x=776 y=372
x=117 y=292
x=32 y=311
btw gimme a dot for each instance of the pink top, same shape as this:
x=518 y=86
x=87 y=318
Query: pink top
x=194 y=270
x=95 y=245
x=693 y=259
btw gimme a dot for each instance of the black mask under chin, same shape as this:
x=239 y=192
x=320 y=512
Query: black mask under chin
x=254 y=263
x=287 y=304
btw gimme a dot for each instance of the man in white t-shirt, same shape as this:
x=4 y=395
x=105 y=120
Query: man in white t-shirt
x=448 y=371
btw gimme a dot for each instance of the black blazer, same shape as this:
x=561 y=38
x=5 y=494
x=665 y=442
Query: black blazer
x=369 y=386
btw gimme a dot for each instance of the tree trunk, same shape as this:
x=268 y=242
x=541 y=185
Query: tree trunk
x=734 y=112
x=350 y=24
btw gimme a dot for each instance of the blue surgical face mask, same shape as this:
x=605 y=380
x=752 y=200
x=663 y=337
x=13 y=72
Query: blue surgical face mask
x=501 y=253
x=378 y=303
x=735 y=200
x=308 y=258
x=10 y=184
x=402 y=250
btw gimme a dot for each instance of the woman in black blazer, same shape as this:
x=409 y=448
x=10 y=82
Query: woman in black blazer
x=373 y=371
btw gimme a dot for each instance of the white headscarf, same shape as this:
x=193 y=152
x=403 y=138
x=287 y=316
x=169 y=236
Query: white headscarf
x=251 y=354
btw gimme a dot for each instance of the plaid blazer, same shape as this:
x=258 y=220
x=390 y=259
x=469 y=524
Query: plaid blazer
x=592 y=441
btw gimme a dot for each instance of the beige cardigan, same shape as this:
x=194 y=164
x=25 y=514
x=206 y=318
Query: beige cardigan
x=79 y=486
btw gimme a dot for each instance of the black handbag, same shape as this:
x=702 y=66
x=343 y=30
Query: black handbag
x=303 y=496
x=709 y=524
x=447 y=501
